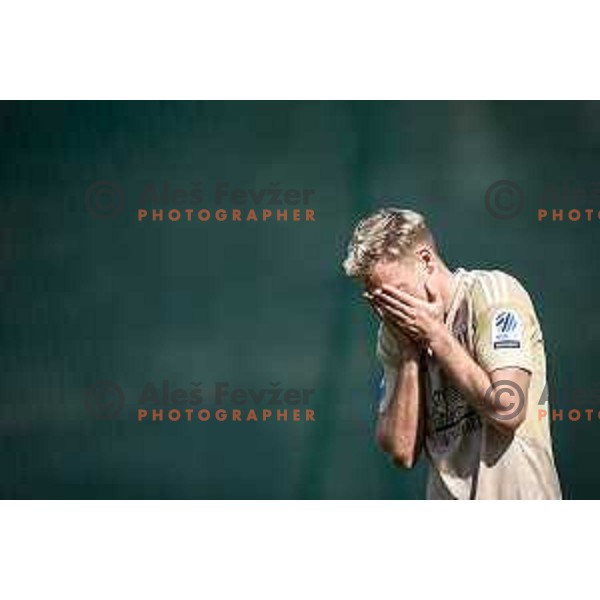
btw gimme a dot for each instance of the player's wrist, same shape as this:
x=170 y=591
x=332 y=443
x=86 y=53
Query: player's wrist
x=411 y=352
x=440 y=340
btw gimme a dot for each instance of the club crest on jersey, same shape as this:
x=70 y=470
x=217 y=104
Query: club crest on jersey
x=507 y=329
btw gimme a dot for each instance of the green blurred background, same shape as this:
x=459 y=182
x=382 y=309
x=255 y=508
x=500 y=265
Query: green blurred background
x=85 y=299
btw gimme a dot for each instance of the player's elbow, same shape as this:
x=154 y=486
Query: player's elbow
x=506 y=399
x=402 y=453
x=403 y=459
x=509 y=424
x=515 y=422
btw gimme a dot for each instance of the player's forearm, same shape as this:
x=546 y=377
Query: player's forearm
x=467 y=375
x=399 y=426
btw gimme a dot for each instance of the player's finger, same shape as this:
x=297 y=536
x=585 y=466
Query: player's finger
x=387 y=302
x=391 y=300
x=400 y=315
x=394 y=326
x=403 y=300
x=400 y=295
x=378 y=311
x=371 y=301
x=407 y=330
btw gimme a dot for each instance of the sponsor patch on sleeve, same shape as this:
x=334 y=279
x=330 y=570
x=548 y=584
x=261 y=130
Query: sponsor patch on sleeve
x=507 y=330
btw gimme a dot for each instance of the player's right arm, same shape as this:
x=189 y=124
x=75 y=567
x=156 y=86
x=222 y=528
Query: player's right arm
x=399 y=429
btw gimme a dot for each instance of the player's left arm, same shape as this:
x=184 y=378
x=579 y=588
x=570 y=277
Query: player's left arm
x=500 y=395
x=497 y=389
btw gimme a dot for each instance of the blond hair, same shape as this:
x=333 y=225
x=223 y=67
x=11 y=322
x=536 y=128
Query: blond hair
x=388 y=234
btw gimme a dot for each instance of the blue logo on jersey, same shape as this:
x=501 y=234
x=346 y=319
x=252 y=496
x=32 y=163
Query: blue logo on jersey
x=506 y=322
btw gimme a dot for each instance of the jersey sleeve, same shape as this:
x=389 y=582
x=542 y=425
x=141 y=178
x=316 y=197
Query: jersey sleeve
x=390 y=355
x=505 y=326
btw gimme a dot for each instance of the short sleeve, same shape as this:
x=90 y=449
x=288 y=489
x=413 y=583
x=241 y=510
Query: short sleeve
x=389 y=350
x=390 y=354
x=386 y=387
x=505 y=327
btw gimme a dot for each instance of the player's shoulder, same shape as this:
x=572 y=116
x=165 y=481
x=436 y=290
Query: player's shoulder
x=495 y=287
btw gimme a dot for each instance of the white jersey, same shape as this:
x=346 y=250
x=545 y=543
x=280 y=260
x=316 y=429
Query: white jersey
x=493 y=317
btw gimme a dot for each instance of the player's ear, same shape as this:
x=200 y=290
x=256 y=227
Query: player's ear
x=426 y=257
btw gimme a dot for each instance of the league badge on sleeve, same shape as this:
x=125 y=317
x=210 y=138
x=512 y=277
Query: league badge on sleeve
x=507 y=330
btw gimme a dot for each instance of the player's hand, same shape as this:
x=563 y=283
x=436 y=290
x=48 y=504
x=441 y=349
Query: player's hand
x=405 y=342
x=420 y=319
x=370 y=298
